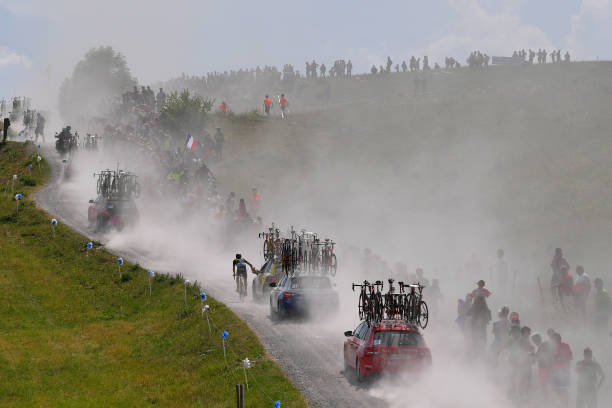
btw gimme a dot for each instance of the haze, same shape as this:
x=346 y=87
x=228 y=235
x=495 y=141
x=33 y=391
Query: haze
x=513 y=157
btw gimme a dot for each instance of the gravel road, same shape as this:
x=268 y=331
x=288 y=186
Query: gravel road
x=309 y=353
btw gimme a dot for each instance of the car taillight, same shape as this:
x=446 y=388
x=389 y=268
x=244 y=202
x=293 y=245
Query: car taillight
x=371 y=351
x=273 y=279
x=288 y=294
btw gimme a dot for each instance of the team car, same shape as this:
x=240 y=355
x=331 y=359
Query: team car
x=270 y=272
x=302 y=294
x=387 y=346
x=114 y=206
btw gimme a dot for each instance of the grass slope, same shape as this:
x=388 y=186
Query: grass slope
x=74 y=334
x=488 y=158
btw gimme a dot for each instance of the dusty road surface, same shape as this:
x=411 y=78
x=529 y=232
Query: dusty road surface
x=310 y=353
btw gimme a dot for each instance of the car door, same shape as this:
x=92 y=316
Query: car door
x=261 y=277
x=274 y=294
x=353 y=345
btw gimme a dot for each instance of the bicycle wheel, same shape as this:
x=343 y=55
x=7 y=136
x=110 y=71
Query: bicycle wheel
x=361 y=306
x=379 y=307
x=333 y=267
x=412 y=308
x=243 y=288
x=423 y=314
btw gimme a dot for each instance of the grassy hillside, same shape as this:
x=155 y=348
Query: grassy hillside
x=513 y=156
x=74 y=334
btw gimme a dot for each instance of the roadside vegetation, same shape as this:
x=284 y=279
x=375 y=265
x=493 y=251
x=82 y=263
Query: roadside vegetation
x=73 y=333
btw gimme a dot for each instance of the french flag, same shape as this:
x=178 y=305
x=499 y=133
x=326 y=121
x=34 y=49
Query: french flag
x=191 y=142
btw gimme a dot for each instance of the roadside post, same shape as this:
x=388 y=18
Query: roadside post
x=119 y=263
x=151 y=274
x=53 y=224
x=18 y=199
x=89 y=247
x=205 y=309
x=239 y=395
x=38 y=159
x=13 y=184
x=246 y=364
x=223 y=337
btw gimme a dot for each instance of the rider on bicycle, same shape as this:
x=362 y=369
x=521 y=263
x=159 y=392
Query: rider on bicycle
x=239 y=268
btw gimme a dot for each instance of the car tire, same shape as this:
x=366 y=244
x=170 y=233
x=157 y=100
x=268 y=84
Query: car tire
x=273 y=313
x=347 y=368
x=280 y=312
x=358 y=374
x=254 y=292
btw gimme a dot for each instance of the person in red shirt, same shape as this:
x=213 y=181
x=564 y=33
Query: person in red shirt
x=223 y=107
x=267 y=105
x=561 y=369
x=283 y=104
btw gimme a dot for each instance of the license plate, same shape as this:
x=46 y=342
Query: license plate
x=399 y=356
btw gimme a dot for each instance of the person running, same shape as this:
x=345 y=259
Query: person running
x=267 y=105
x=590 y=379
x=239 y=270
x=282 y=101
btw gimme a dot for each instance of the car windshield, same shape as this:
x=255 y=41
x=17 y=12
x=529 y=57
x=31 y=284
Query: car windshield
x=311 y=282
x=398 y=338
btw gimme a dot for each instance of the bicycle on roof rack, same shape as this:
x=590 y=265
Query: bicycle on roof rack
x=407 y=304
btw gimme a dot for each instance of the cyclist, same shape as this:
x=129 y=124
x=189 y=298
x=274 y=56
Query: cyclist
x=239 y=269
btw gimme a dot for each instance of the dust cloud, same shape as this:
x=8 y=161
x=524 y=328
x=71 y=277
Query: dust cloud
x=509 y=157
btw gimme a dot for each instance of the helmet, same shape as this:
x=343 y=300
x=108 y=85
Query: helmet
x=238 y=256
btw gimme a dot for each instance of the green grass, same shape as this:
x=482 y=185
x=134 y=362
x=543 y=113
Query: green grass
x=74 y=334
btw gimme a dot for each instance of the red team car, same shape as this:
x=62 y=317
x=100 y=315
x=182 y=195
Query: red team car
x=387 y=346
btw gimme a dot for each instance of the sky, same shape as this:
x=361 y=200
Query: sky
x=42 y=40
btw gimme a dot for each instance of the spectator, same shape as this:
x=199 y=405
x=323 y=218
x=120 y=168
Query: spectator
x=590 y=379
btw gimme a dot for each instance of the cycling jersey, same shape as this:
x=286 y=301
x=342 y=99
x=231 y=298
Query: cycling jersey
x=241 y=267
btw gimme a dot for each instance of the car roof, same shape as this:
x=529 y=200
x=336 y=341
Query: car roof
x=394 y=324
